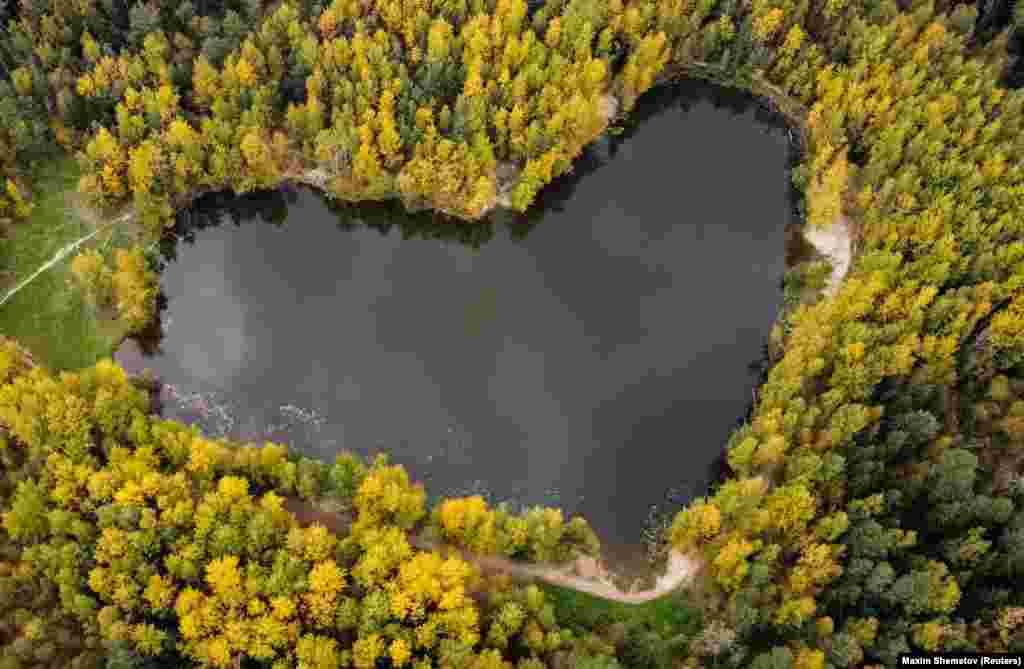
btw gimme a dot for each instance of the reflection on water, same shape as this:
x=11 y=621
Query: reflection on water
x=593 y=354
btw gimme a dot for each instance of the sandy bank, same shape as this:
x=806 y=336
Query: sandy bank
x=833 y=242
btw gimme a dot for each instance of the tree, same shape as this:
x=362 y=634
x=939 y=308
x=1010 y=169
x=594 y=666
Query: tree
x=135 y=288
x=94 y=277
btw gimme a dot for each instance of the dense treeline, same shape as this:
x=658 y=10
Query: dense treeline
x=458 y=106
x=136 y=536
x=128 y=290
x=365 y=99
x=875 y=506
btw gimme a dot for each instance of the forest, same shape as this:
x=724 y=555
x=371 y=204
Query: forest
x=874 y=503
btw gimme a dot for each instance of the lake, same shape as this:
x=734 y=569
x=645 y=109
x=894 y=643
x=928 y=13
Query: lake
x=594 y=354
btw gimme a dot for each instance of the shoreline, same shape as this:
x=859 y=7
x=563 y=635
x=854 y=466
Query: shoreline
x=667 y=569
x=585 y=574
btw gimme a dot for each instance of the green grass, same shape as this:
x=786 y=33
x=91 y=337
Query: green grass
x=668 y=616
x=655 y=633
x=48 y=316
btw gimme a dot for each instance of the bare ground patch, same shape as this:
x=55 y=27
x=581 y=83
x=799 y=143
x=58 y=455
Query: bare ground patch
x=835 y=243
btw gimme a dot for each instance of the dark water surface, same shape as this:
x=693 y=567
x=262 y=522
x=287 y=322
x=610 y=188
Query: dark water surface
x=593 y=356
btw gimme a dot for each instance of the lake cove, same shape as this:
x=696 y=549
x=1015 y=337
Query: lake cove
x=594 y=354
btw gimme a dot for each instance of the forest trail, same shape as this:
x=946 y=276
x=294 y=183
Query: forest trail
x=835 y=244
x=585 y=575
x=679 y=572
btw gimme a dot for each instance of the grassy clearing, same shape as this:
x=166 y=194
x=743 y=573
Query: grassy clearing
x=670 y=615
x=49 y=316
x=654 y=632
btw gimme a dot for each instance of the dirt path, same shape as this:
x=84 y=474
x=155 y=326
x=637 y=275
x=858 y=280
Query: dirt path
x=585 y=575
x=679 y=572
x=834 y=243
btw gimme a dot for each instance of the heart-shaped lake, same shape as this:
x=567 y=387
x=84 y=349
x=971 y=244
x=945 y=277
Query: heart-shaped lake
x=594 y=356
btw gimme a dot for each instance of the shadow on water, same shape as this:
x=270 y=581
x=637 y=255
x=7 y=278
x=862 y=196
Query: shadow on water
x=383 y=217
x=214 y=209
x=271 y=206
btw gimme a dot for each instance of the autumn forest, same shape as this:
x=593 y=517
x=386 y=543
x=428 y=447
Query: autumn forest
x=874 y=500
